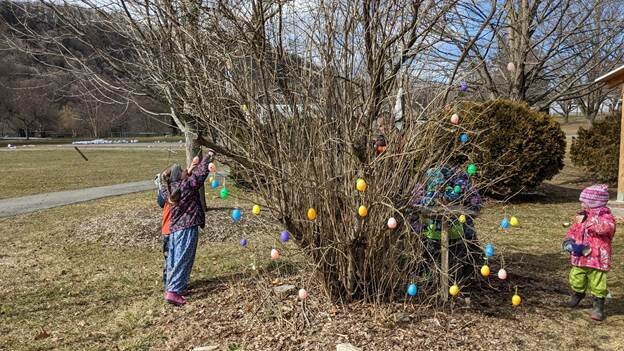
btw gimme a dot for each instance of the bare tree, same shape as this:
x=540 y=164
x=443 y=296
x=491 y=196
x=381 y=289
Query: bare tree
x=292 y=93
x=565 y=108
x=535 y=50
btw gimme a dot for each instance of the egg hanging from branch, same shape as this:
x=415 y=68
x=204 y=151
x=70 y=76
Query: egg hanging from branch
x=485 y=270
x=412 y=290
x=455 y=118
x=392 y=223
x=311 y=214
x=454 y=290
x=361 y=185
x=255 y=209
x=275 y=254
x=362 y=211
x=502 y=274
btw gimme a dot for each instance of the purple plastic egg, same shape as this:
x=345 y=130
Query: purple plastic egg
x=284 y=236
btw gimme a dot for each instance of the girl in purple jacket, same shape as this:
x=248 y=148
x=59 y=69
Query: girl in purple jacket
x=187 y=215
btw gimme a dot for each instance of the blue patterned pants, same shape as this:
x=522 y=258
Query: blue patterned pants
x=182 y=247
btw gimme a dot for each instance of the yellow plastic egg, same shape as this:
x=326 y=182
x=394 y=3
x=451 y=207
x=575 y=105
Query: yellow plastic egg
x=210 y=180
x=255 y=209
x=462 y=219
x=361 y=185
x=311 y=214
x=516 y=300
x=454 y=290
x=363 y=211
x=485 y=270
x=514 y=221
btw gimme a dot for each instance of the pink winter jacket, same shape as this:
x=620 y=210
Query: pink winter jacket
x=597 y=231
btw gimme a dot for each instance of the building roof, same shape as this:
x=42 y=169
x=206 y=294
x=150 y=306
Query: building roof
x=612 y=78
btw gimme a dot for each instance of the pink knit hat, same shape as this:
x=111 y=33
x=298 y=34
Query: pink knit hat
x=595 y=196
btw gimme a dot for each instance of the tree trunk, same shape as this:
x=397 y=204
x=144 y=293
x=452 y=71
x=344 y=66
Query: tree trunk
x=193 y=148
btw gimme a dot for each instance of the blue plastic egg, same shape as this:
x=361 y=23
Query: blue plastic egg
x=463 y=138
x=412 y=290
x=236 y=215
x=505 y=223
x=215 y=184
x=489 y=250
x=243 y=242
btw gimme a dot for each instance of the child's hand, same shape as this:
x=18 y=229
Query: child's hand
x=195 y=161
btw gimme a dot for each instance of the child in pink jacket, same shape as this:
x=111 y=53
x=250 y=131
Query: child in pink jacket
x=589 y=243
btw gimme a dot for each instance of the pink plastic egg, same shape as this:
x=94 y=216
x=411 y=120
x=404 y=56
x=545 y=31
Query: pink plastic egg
x=275 y=254
x=303 y=294
x=455 y=118
x=511 y=67
x=212 y=167
x=502 y=274
x=392 y=223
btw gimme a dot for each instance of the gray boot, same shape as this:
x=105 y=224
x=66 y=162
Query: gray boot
x=597 y=312
x=575 y=299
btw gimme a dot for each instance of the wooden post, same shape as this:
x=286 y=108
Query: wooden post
x=620 y=191
x=444 y=257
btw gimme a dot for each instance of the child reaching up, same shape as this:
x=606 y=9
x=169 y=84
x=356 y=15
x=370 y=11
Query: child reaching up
x=589 y=243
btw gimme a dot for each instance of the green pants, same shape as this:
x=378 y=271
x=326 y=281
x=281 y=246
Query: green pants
x=582 y=279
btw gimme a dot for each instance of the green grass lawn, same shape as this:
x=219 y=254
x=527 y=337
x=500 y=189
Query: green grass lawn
x=26 y=172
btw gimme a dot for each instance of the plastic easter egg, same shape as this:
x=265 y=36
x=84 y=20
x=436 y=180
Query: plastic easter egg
x=243 y=242
x=502 y=274
x=275 y=254
x=224 y=193
x=514 y=221
x=516 y=300
x=463 y=138
x=457 y=189
x=214 y=184
x=471 y=169
x=311 y=214
x=210 y=180
x=363 y=211
x=511 y=67
x=284 y=236
x=237 y=215
x=211 y=167
x=463 y=87
x=454 y=290
x=302 y=294
x=432 y=226
x=361 y=185
x=255 y=209
x=505 y=223
x=489 y=250
x=462 y=219
x=412 y=290
x=392 y=223
x=455 y=118
x=485 y=270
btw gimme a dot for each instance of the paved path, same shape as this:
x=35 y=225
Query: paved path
x=32 y=203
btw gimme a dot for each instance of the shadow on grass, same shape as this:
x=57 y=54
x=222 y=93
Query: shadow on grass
x=542 y=282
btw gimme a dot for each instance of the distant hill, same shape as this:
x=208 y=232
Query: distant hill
x=40 y=97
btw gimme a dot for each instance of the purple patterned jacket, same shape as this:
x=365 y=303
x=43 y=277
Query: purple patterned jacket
x=188 y=212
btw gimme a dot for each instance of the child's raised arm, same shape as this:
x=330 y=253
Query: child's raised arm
x=200 y=173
